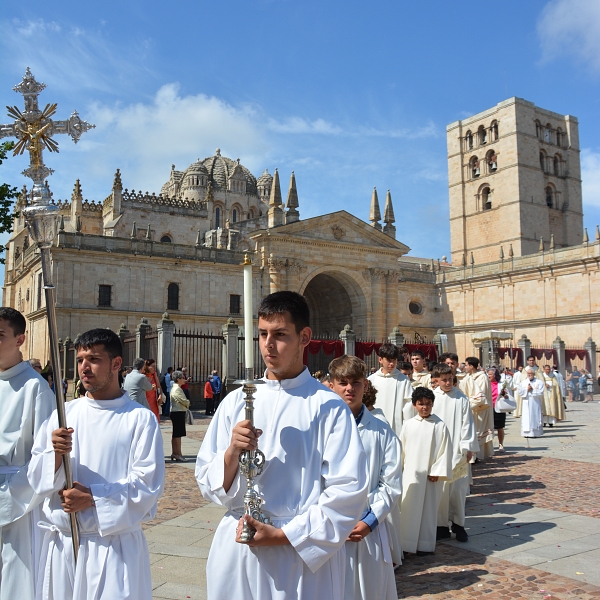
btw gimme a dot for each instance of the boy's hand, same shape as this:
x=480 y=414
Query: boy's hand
x=469 y=456
x=361 y=530
x=61 y=440
x=243 y=437
x=433 y=478
x=266 y=535
x=76 y=499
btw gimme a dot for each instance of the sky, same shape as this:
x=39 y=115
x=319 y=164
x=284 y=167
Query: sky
x=348 y=95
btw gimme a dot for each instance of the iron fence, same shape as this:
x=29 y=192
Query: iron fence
x=199 y=352
x=129 y=350
x=259 y=365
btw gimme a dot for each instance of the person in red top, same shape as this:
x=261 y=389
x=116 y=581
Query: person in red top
x=208 y=397
x=154 y=396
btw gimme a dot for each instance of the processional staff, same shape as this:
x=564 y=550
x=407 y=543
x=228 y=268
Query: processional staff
x=34 y=129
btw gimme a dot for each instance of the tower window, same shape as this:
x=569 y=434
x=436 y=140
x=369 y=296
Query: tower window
x=173 y=297
x=217 y=217
x=492 y=161
x=474 y=164
x=543 y=161
x=494 y=130
x=234 y=215
x=469 y=140
x=482 y=133
x=549 y=199
x=234 y=304
x=486 y=198
x=556 y=166
x=548 y=133
x=104 y=295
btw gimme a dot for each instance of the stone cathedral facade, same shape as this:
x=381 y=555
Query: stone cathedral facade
x=521 y=261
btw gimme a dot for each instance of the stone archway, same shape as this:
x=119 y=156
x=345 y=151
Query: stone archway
x=335 y=299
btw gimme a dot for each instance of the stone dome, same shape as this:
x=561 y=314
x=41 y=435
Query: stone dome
x=196 y=168
x=220 y=168
x=265 y=179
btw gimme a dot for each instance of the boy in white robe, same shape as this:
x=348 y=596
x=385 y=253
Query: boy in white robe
x=393 y=388
x=426 y=464
x=481 y=405
x=26 y=402
x=531 y=391
x=314 y=481
x=118 y=470
x=420 y=375
x=369 y=568
x=453 y=407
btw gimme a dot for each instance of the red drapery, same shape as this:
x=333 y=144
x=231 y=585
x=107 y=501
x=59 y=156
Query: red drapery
x=335 y=347
x=517 y=354
x=362 y=349
x=581 y=354
x=547 y=353
x=429 y=350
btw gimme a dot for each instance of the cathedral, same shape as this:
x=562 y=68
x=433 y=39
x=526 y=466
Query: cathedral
x=521 y=262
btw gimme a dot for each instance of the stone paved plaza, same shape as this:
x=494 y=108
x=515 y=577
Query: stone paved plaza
x=533 y=520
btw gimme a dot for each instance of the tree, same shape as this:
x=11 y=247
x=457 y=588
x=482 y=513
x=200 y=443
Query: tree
x=7 y=195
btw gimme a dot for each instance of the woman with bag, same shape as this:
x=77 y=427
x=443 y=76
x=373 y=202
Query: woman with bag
x=179 y=407
x=498 y=391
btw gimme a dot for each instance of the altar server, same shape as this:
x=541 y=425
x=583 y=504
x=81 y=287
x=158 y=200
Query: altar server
x=314 y=482
x=531 y=391
x=369 y=567
x=553 y=409
x=426 y=464
x=118 y=470
x=481 y=405
x=26 y=402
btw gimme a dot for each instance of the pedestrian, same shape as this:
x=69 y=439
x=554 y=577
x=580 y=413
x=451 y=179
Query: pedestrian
x=314 y=483
x=118 y=469
x=570 y=382
x=179 y=406
x=186 y=384
x=217 y=388
x=166 y=386
x=420 y=375
x=153 y=396
x=582 y=385
x=26 y=403
x=136 y=384
x=589 y=387
x=531 y=391
x=499 y=390
x=36 y=364
x=209 y=411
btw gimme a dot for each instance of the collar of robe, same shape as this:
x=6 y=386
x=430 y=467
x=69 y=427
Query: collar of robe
x=394 y=373
x=108 y=404
x=16 y=370
x=288 y=384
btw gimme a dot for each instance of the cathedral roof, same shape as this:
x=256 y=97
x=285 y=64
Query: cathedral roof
x=196 y=168
x=220 y=168
x=265 y=178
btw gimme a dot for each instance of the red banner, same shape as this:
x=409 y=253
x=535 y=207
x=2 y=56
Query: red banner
x=517 y=355
x=335 y=347
x=581 y=355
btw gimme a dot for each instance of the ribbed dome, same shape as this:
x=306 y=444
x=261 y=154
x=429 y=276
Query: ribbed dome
x=265 y=179
x=220 y=169
x=196 y=168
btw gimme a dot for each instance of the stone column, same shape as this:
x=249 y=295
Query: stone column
x=396 y=337
x=440 y=339
x=590 y=346
x=231 y=334
x=349 y=338
x=525 y=344
x=123 y=332
x=559 y=346
x=140 y=334
x=377 y=305
x=165 y=330
x=275 y=267
x=489 y=355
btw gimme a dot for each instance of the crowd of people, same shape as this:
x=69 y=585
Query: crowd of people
x=362 y=469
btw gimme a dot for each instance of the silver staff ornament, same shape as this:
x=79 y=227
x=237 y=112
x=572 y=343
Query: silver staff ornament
x=34 y=129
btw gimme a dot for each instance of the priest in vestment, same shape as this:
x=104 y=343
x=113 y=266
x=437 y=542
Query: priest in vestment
x=420 y=376
x=118 y=468
x=553 y=409
x=26 y=403
x=531 y=391
x=426 y=464
x=523 y=377
x=314 y=483
x=481 y=405
x=394 y=389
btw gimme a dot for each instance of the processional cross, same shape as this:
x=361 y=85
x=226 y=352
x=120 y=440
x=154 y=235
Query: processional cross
x=34 y=129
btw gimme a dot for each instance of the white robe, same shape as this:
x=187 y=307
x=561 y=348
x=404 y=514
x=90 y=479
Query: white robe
x=531 y=417
x=454 y=409
x=477 y=389
x=426 y=451
x=369 y=569
x=314 y=484
x=393 y=391
x=422 y=379
x=118 y=454
x=26 y=401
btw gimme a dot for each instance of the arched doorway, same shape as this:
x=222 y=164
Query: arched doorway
x=335 y=300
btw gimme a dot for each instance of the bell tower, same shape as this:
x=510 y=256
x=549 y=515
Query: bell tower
x=514 y=180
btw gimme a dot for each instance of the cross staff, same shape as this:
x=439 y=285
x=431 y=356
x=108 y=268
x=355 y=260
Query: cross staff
x=34 y=129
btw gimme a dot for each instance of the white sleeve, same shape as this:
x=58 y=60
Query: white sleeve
x=468 y=437
x=389 y=490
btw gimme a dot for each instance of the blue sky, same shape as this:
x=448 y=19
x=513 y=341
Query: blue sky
x=349 y=95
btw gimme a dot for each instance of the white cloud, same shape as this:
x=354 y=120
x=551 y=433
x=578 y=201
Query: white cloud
x=300 y=125
x=571 y=27
x=590 y=175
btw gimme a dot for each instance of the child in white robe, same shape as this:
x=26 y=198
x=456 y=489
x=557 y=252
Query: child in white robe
x=369 y=568
x=27 y=401
x=426 y=464
x=453 y=407
x=118 y=468
x=531 y=390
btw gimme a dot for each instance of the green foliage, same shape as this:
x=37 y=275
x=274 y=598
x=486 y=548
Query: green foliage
x=7 y=195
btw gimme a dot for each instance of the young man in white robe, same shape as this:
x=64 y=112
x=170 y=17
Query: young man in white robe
x=420 y=376
x=26 y=401
x=453 y=408
x=394 y=389
x=369 y=567
x=426 y=464
x=553 y=409
x=314 y=482
x=531 y=391
x=481 y=405
x=118 y=467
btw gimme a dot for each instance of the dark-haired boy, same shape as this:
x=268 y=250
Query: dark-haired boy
x=118 y=470
x=26 y=403
x=421 y=376
x=453 y=407
x=426 y=464
x=393 y=388
x=314 y=481
x=369 y=567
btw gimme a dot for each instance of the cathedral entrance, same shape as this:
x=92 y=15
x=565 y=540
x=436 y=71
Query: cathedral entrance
x=335 y=300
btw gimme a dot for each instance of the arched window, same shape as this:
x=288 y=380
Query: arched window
x=556 y=164
x=251 y=213
x=549 y=197
x=234 y=215
x=494 y=130
x=173 y=297
x=548 y=133
x=482 y=134
x=559 y=137
x=492 y=161
x=543 y=161
x=474 y=167
x=539 y=130
x=469 y=141
x=486 y=198
x=166 y=239
x=217 y=217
